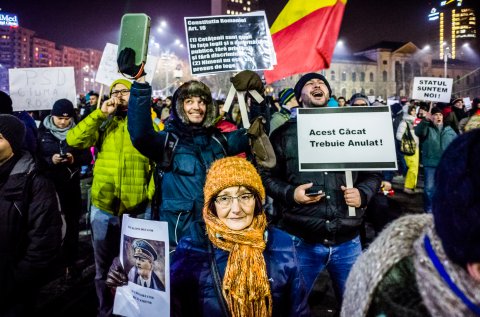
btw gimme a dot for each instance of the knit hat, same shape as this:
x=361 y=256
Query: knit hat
x=63 y=108
x=122 y=81
x=359 y=96
x=456 y=203
x=229 y=172
x=189 y=89
x=436 y=110
x=13 y=130
x=303 y=80
x=5 y=103
x=286 y=95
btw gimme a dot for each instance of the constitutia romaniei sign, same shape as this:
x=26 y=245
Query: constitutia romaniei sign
x=229 y=43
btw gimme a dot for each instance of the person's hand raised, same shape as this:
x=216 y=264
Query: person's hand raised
x=110 y=106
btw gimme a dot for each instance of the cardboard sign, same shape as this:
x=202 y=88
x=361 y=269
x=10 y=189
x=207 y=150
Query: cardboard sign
x=432 y=89
x=140 y=237
x=108 y=69
x=229 y=43
x=346 y=138
x=39 y=88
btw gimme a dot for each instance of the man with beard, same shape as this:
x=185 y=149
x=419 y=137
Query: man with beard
x=434 y=137
x=120 y=179
x=325 y=236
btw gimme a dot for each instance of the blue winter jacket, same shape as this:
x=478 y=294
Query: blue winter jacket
x=193 y=291
x=197 y=148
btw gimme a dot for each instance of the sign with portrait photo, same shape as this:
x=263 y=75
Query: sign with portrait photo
x=145 y=259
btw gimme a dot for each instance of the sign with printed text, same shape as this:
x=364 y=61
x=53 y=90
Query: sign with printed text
x=108 y=69
x=144 y=254
x=229 y=43
x=38 y=88
x=432 y=89
x=347 y=138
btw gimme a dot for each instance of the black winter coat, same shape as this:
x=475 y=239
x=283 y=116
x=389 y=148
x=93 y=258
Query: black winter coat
x=327 y=221
x=30 y=235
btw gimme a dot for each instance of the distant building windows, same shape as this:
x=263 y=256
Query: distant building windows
x=354 y=76
x=344 y=76
x=371 y=92
x=385 y=75
x=385 y=62
x=332 y=75
x=362 y=76
x=371 y=77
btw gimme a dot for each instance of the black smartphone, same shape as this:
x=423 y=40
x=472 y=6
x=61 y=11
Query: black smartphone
x=134 y=33
x=315 y=190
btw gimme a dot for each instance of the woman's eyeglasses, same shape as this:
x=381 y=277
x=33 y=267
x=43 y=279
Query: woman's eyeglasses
x=226 y=201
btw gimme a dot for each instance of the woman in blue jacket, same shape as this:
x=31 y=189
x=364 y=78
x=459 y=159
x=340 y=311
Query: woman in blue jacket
x=243 y=268
x=232 y=264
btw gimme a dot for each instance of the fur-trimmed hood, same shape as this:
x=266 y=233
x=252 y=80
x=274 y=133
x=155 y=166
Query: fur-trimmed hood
x=193 y=88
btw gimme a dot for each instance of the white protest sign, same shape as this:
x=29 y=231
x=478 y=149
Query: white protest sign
x=432 y=89
x=39 y=88
x=144 y=240
x=346 y=138
x=468 y=103
x=108 y=69
x=229 y=43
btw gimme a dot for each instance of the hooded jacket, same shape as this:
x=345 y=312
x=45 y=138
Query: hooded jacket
x=197 y=148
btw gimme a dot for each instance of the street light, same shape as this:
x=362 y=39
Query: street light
x=446 y=56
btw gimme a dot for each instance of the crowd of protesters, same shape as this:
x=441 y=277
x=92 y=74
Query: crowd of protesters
x=190 y=163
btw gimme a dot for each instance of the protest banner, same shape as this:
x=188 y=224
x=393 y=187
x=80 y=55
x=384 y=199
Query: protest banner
x=432 y=89
x=108 y=69
x=346 y=139
x=229 y=43
x=38 y=88
x=467 y=102
x=144 y=256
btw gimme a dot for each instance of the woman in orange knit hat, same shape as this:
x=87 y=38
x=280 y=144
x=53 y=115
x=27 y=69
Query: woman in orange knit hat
x=243 y=268
x=232 y=264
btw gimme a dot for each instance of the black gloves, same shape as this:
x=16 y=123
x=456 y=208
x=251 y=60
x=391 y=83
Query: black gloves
x=247 y=80
x=116 y=275
x=126 y=64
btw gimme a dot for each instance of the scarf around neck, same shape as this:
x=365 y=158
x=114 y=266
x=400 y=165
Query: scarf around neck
x=57 y=132
x=245 y=285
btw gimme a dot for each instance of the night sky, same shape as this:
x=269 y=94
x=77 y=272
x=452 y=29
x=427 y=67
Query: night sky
x=90 y=24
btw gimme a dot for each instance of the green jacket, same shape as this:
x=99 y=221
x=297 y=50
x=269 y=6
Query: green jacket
x=433 y=141
x=121 y=175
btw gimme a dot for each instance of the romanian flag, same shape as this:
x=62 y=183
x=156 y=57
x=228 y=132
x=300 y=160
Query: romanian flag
x=304 y=36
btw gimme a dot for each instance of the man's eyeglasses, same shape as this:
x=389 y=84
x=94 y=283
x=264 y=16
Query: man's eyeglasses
x=226 y=201
x=122 y=92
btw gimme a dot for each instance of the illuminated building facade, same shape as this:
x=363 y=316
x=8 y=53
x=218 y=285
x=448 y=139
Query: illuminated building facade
x=457 y=25
x=233 y=7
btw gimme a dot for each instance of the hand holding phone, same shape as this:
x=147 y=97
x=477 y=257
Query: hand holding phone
x=314 y=191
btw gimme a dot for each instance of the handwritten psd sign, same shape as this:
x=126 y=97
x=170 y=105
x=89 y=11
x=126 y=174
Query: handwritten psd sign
x=432 y=89
x=39 y=88
x=347 y=138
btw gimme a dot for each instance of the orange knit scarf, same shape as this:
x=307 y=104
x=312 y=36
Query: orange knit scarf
x=245 y=284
